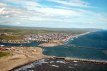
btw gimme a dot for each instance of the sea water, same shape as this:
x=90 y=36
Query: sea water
x=89 y=46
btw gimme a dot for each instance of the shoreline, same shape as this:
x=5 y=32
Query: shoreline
x=56 y=43
x=76 y=36
x=53 y=43
x=65 y=58
x=21 y=59
x=18 y=59
x=79 y=59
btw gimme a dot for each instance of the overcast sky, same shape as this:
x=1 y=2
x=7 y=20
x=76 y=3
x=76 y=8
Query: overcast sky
x=54 y=13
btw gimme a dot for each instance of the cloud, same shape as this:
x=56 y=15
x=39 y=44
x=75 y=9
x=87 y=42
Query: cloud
x=20 y=12
x=57 y=12
x=74 y=3
x=34 y=9
x=2 y=5
x=1 y=11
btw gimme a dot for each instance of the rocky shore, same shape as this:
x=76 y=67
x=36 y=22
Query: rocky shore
x=61 y=64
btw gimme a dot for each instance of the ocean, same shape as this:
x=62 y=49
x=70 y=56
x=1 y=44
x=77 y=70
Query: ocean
x=89 y=46
x=95 y=40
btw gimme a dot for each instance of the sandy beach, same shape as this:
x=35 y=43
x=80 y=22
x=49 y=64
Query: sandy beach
x=50 y=44
x=20 y=56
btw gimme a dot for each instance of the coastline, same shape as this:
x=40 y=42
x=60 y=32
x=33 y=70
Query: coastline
x=18 y=59
x=79 y=59
x=56 y=43
x=76 y=36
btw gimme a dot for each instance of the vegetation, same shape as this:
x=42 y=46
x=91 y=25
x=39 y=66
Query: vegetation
x=11 y=37
x=4 y=54
x=23 y=31
x=32 y=30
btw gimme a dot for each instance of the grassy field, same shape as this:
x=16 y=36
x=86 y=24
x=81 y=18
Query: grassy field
x=11 y=37
x=4 y=54
x=23 y=31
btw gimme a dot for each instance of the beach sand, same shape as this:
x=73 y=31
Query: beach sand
x=20 y=56
x=49 y=44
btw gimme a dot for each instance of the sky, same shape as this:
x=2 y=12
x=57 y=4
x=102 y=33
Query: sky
x=54 y=13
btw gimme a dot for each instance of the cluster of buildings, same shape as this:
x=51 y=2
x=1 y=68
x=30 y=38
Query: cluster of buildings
x=48 y=37
x=45 y=37
x=14 y=41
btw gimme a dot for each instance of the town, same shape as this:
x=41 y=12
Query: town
x=46 y=37
x=41 y=37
